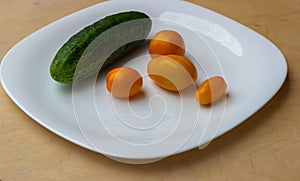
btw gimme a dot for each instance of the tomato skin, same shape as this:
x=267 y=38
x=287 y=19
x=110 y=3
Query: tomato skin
x=124 y=82
x=172 y=72
x=211 y=90
x=166 y=42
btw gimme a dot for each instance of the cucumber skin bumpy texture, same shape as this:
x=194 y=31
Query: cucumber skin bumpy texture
x=73 y=63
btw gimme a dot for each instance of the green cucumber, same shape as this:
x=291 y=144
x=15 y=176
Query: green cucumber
x=98 y=45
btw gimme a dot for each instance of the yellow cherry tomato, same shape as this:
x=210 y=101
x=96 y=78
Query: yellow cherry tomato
x=172 y=72
x=167 y=42
x=124 y=82
x=211 y=90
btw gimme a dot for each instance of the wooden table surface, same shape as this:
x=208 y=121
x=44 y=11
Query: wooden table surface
x=265 y=147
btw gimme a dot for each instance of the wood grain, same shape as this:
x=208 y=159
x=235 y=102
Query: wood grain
x=265 y=147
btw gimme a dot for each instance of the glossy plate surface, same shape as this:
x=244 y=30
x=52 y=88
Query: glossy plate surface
x=157 y=123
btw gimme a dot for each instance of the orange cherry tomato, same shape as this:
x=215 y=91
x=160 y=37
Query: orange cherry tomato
x=211 y=90
x=166 y=42
x=172 y=72
x=124 y=82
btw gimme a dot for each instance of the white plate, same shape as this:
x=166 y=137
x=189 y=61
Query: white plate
x=157 y=123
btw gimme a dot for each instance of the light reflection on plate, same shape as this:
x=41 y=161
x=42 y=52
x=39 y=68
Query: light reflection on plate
x=205 y=27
